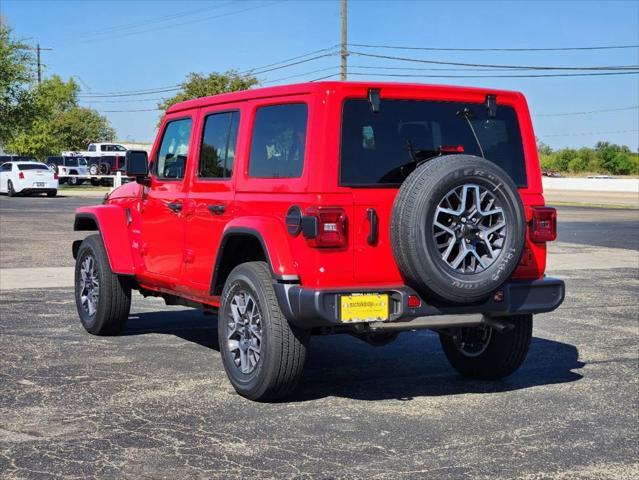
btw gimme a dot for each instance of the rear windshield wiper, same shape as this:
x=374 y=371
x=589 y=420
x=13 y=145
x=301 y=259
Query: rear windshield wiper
x=467 y=113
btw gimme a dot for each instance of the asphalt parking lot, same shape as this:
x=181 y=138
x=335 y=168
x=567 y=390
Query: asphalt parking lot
x=155 y=403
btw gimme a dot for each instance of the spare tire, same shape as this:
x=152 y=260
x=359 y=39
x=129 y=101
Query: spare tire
x=94 y=169
x=457 y=228
x=105 y=168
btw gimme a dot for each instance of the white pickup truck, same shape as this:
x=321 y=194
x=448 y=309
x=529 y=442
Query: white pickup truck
x=95 y=153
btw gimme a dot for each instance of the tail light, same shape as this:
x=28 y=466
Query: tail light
x=55 y=175
x=543 y=226
x=325 y=227
x=21 y=175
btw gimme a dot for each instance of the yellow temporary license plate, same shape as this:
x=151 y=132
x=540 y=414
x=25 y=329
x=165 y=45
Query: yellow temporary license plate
x=364 y=307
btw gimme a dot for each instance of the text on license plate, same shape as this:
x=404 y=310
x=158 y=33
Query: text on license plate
x=39 y=184
x=364 y=307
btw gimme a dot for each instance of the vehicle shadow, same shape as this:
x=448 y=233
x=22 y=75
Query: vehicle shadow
x=412 y=366
x=190 y=325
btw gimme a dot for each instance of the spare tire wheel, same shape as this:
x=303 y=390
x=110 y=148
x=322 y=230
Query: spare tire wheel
x=458 y=228
x=105 y=168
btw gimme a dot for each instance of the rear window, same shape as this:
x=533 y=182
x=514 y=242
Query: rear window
x=385 y=147
x=32 y=166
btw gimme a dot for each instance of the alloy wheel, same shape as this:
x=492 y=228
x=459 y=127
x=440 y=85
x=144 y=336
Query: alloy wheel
x=89 y=285
x=244 y=331
x=469 y=228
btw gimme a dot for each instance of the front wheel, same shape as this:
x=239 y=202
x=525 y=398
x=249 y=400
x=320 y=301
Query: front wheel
x=103 y=299
x=485 y=353
x=263 y=355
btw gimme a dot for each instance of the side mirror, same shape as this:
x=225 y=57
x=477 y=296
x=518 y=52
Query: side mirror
x=137 y=166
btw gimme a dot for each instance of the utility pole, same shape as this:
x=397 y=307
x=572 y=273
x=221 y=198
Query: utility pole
x=344 y=49
x=38 y=50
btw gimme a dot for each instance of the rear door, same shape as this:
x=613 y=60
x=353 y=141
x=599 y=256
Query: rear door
x=209 y=204
x=163 y=202
x=379 y=150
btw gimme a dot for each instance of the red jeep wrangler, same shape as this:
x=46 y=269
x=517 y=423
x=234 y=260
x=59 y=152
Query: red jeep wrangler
x=330 y=207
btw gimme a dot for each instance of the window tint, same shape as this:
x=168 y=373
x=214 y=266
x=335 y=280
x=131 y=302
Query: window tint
x=104 y=148
x=6 y=167
x=279 y=137
x=91 y=148
x=174 y=149
x=385 y=147
x=32 y=166
x=217 y=152
x=119 y=148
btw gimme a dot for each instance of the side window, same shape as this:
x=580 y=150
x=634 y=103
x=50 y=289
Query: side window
x=6 y=167
x=279 y=138
x=174 y=149
x=217 y=152
x=91 y=148
x=104 y=148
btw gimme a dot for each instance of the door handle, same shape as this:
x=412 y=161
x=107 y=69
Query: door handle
x=373 y=233
x=175 y=207
x=217 y=209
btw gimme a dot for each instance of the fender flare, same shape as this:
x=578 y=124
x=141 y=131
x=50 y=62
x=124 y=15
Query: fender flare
x=111 y=222
x=272 y=236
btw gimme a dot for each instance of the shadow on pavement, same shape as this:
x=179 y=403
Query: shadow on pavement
x=412 y=366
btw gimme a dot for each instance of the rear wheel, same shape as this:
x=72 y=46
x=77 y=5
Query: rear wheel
x=11 y=192
x=263 y=355
x=485 y=353
x=103 y=299
x=72 y=181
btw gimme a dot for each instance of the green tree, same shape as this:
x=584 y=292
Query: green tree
x=16 y=78
x=59 y=123
x=542 y=148
x=199 y=85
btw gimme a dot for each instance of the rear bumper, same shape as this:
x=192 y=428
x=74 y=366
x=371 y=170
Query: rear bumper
x=309 y=308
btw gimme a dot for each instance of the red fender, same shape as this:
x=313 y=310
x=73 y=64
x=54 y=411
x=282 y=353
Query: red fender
x=111 y=222
x=272 y=234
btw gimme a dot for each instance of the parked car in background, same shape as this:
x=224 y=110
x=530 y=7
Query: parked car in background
x=27 y=178
x=102 y=158
x=64 y=165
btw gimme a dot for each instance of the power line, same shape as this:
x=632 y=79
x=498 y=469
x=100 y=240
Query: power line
x=539 y=75
x=300 y=75
x=128 y=94
x=463 y=64
x=315 y=52
x=324 y=78
x=437 y=49
x=440 y=69
x=294 y=63
x=128 y=100
x=588 y=133
x=126 y=34
x=588 y=112
x=165 y=18
x=131 y=111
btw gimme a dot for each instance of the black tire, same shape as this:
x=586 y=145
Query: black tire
x=72 y=181
x=503 y=354
x=95 y=182
x=11 y=192
x=114 y=292
x=52 y=193
x=282 y=347
x=413 y=216
x=104 y=168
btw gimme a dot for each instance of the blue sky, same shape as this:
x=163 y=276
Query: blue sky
x=120 y=46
